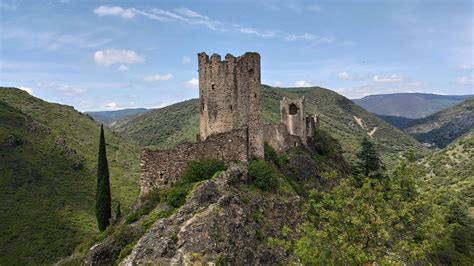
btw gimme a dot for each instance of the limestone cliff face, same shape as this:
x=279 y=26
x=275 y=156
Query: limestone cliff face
x=221 y=221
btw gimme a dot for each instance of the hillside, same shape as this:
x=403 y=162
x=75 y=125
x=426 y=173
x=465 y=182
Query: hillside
x=48 y=155
x=453 y=169
x=409 y=105
x=109 y=117
x=344 y=120
x=443 y=127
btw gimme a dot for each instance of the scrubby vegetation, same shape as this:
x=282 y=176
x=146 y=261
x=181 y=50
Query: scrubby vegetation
x=395 y=220
x=264 y=176
x=202 y=169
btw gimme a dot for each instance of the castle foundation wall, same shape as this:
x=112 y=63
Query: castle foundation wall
x=163 y=168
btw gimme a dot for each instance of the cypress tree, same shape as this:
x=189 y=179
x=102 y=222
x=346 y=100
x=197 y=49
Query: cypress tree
x=103 y=199
x=369 y=159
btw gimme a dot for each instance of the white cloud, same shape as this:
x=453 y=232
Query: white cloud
x=113 y=56
x=188 y=16
x=111 y=106
x=158 y=77
x=55 y=40
x=388 y=79
x=192 y=83
x=185 y=60
x=278 y=83
x=264 y=34
x=114 y=11
x=302 y=36
x=122 y=68
x=304 y=83
x=29 y=90
x=344 y=76
x=465 y=80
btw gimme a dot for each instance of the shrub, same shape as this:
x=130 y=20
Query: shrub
x=202 y=169
x=264 y=176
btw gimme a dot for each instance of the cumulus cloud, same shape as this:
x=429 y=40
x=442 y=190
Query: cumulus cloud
x=388 y=79
x=114 y=56
x=192 y=83
x=158 y=77
x=278 y=83
x=185 y=60
x=29 y=90
x=304 y=83
x=122 y=68
x=344 y=76
x=114 y=11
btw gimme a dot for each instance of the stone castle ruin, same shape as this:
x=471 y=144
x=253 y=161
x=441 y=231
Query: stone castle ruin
x=231 y=127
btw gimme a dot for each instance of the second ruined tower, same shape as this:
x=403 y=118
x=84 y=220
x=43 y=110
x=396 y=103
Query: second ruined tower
x=230 y=97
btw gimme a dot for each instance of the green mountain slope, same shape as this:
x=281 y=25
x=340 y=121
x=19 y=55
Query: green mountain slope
x=109 y=117
x=48 y=158
x=409 y=105
x=343 y=119
x=443 y=127
x=452 y=168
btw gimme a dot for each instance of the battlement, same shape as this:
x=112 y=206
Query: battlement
x=230 y=97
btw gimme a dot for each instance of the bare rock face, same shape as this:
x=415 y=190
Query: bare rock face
x=221 y=221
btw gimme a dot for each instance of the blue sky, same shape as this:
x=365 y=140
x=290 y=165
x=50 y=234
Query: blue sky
x=107 y=55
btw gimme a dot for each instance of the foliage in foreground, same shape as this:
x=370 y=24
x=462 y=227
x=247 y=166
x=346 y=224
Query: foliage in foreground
x=384 y=222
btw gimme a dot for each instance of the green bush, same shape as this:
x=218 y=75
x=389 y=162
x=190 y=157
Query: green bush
x=264 y=176
x=202 y=169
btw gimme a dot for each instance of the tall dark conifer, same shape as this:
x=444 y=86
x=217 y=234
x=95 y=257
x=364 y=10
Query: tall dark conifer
x=103 y=199
x=369 y=159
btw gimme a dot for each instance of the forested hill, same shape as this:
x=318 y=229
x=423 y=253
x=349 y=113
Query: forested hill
x=48 y=159
x=409 y=105
x=343 y=119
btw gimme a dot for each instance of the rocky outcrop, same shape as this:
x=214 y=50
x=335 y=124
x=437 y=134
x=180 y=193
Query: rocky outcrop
x=223 y=220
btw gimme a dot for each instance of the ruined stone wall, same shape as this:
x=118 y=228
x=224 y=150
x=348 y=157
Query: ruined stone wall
x=294 y=117
x=277 y=136
x=230 y=97
x=310 y=125
x=162 y=168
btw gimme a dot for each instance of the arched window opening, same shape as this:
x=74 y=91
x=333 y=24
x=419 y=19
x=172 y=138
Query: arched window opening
x=293 y=109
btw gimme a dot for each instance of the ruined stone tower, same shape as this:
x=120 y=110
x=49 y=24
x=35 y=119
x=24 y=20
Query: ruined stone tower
x=230 y=97
x=293 y=117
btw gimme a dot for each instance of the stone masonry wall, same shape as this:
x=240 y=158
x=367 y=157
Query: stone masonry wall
x=293 y=116
x=277 y=136
x=162 y=168
x=230 y=97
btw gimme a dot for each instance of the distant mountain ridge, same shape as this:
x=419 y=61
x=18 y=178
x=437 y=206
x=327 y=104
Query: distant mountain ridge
x=445 y=126
x=109 y=117
x=408 y=105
